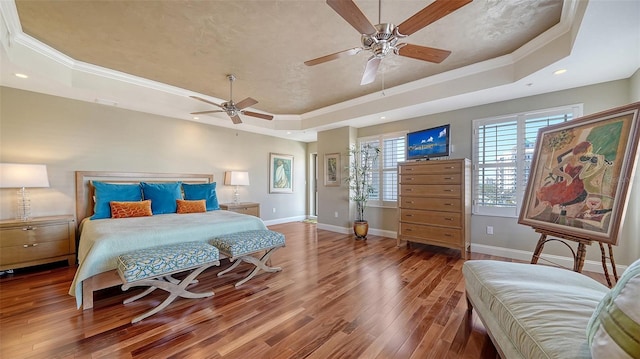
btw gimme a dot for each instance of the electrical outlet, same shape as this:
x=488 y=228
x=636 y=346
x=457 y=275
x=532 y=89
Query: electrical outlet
x=274 y=209
x=490 y=230
x=335 y=214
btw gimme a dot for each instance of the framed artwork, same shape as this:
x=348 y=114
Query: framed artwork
x=332 y=170
x=280 y=173
x=581 y=173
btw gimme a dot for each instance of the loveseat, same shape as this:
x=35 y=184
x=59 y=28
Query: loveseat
x=537 y=311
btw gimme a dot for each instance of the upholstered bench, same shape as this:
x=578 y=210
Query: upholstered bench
x=154 y=267
x=241 y=246
x=536 y=311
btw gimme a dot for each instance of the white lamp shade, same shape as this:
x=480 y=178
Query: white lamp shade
x=236 y=178
x=18 y=175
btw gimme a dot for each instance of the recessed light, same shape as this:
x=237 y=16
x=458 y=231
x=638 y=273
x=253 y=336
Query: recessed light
x=22 y=76
x=383 y=118
x=196 y=117
x=559 y=72
x=288 y=132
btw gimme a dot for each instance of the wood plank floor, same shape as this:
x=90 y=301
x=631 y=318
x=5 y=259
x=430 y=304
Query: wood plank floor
x=335 y=298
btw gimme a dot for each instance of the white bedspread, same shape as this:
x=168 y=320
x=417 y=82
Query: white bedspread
x=102 y=240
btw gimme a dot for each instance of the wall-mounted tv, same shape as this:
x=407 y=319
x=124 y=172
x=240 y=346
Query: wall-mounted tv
x=428 y=143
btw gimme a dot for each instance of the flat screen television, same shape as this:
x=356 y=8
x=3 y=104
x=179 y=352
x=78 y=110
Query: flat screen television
x=428 y=143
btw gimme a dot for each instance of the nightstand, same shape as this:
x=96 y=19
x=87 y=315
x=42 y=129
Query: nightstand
x=38 y=241
x=250 y=208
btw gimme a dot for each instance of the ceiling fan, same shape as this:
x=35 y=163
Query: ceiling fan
x=382 y=39
x=231 y=108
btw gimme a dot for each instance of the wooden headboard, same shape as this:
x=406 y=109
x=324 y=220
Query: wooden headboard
x=85 y=191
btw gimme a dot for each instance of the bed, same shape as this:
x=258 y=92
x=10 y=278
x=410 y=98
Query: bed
x=102 y=240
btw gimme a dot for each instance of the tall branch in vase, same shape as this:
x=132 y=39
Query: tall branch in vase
x=363 y=160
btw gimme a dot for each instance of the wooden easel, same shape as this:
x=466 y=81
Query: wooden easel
x=579 y=255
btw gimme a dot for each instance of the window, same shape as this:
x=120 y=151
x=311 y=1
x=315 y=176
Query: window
x=502 y=153
x=384 y=174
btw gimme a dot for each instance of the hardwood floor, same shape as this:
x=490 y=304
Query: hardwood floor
x=335 y=298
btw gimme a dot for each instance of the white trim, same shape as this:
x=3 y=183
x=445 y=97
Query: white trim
x=272 y=222
x=349 y=230
x=589 y=265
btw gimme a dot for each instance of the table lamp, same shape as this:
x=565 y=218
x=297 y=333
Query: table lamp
x=236 y=178
x=23 y=176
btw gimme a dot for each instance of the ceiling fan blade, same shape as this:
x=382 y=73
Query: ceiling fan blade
x=434 y=11
x=337 y=55
x=353 y=15
x=424 y=53
x=247 y=102
x=203 y=100
x=370 y=70
x=258 y=115
x=236 y=119
x=206 y=112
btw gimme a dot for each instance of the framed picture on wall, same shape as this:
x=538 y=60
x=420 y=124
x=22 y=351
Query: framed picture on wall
x=332 y=169
x=280 y=173
x=581 y=173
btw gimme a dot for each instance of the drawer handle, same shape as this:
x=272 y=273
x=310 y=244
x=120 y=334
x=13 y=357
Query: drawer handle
x=408 y=189
x=408 y=215
x=27 y=246
x=447 y=235
x=29 y=228
x=449 y=167
x=448 y=218
x=408 y=230
x=410 y=202
x=448 y=204
x=448 y=178
x=410 y=178
x=448 y=190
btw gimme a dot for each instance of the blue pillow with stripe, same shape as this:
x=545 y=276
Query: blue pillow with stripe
x=107 y=192
x=206 y=191
x=163 y=196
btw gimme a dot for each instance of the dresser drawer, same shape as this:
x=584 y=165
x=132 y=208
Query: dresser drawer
x=449 y=191
x=445 y=219
x=432 y=168
x=34 y=234
x=252 y=211
x=431 y=203
x=33 y=252
x=452 y=178
x=417 y=232
x=39 y=241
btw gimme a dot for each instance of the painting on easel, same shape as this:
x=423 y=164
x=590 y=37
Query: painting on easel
x=581 y=175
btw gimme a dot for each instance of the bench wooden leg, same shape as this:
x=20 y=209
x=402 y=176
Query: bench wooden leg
x=168 y=284
x=260 y=264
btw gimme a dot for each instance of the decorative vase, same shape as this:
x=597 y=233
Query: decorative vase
x=360 y=229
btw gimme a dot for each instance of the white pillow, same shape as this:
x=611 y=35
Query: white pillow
x=614 y=328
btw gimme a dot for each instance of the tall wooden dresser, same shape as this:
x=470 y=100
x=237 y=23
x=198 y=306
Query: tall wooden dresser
x=434 y=201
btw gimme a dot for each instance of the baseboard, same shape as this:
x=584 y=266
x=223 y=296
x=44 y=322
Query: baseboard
x=589 y=265
x=347 y=230
x=285 y=220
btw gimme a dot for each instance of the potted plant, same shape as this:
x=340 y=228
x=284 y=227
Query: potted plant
x=359 y=179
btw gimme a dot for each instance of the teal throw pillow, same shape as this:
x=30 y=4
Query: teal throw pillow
x=206 y=191
x=163 y=196
x=107 y=192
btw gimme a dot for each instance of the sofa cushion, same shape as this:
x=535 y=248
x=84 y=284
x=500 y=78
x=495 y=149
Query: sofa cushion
x=614 y=328
x=543 y=310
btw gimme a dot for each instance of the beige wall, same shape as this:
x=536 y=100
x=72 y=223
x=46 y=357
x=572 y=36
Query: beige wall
x=508 y=234
x=69 y=136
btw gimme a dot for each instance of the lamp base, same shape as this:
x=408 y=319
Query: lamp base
x=236 y=195
x=24 y=205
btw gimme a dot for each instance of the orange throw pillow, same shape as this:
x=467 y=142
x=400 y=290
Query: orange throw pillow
x=130 y=209
x=185 y=206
